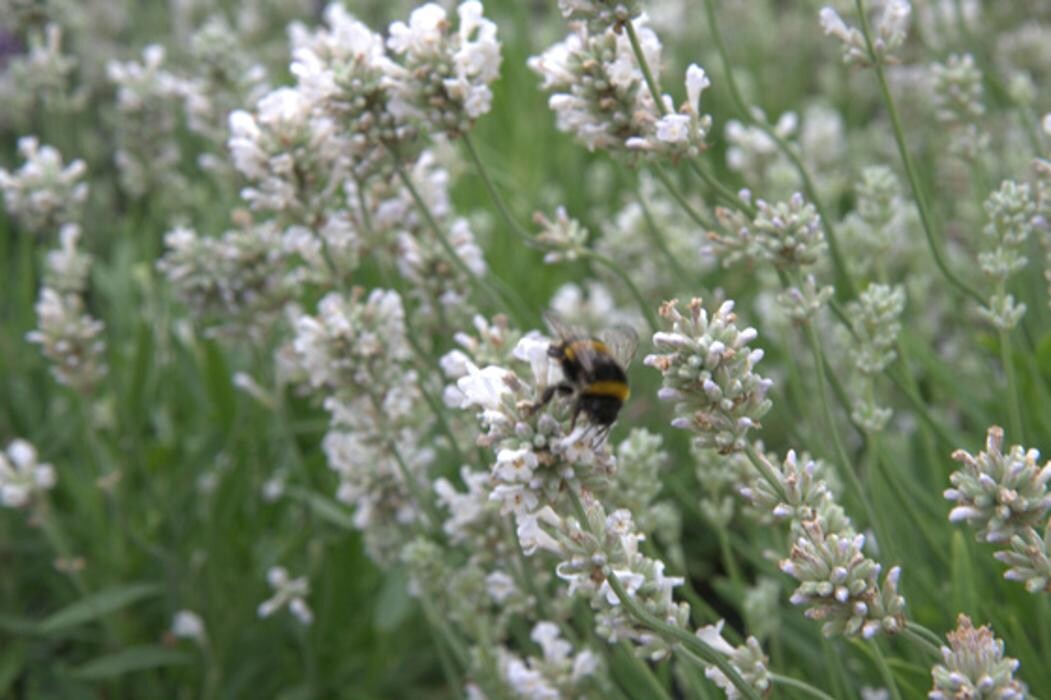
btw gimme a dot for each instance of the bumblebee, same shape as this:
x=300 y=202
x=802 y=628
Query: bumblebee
x=593 y=371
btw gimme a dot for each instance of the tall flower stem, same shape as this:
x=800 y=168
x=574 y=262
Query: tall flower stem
x=1014 y=401
x=926 y=218
x=923 y=638
x=644 y=307
x=480 y=285
x=689 y=641
x=760 y=463
x=662 y=245
x=729 y=196
x=694 y=215
x=841 y=452
x=494 y=194
x=799 y=685
x=843 y=278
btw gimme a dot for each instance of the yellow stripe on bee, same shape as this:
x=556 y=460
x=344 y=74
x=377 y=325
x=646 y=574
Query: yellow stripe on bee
x=618 y=390
x=586 y=346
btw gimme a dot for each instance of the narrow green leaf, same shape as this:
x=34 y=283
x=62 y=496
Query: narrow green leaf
x=393 y=603
x=324 y=508
x=219 y=383
x=140 y=658
x=12 y=661
x=965 y=600
x=97 y=605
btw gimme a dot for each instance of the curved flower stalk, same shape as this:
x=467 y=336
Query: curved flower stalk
x=45 y=192
x=974 y=666
x=1006 y=498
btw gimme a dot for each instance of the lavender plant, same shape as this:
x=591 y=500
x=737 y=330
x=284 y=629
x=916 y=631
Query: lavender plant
x=334 y=291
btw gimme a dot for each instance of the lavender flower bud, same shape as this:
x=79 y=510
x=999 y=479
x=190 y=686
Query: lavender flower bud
x=999 y=494
x=974 y=666
x=709 y=363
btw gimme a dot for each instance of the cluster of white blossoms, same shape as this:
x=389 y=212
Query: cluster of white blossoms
x=974 y=666
x=148 y=94
x=68 y=336
x=1012 y=219
x=788 y=234
x=535 y=456
x=240 y=281
x=23 y=475
x=600 y=14
x=889 y=31
x=40 y=74
x=45 y=192
x=747 y=659
x=1005 y=497
x=709 y=374
x=598 y=91
x=875 y=320
x=958 y=102
x=556 y=673
x=286 y=152
x=444 y=75
x=603 y=547
x=290 y=592
x=837 y=582
x=600 y=80
x=354 y=354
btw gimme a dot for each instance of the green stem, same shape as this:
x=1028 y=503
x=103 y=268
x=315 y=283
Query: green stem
x=494 y=194
x=644 y=66
x=767 y=472
x=926 y=217
x=802 y=686
x=696 y=217
x=729 y=561
x=480 y=285
x=729 y=196
x=644 y=306
x=923 y=638
x=843 y=278
x=662 y=245
x=643 y=670
x=1014 y=402
x=841 y=453
x=885 y=671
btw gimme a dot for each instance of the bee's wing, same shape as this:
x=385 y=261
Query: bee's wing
x=622 y=342
x=583 y=353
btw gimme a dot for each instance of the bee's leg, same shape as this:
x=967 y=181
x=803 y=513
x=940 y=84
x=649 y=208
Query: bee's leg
x=549 y=393
x=576 y=414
